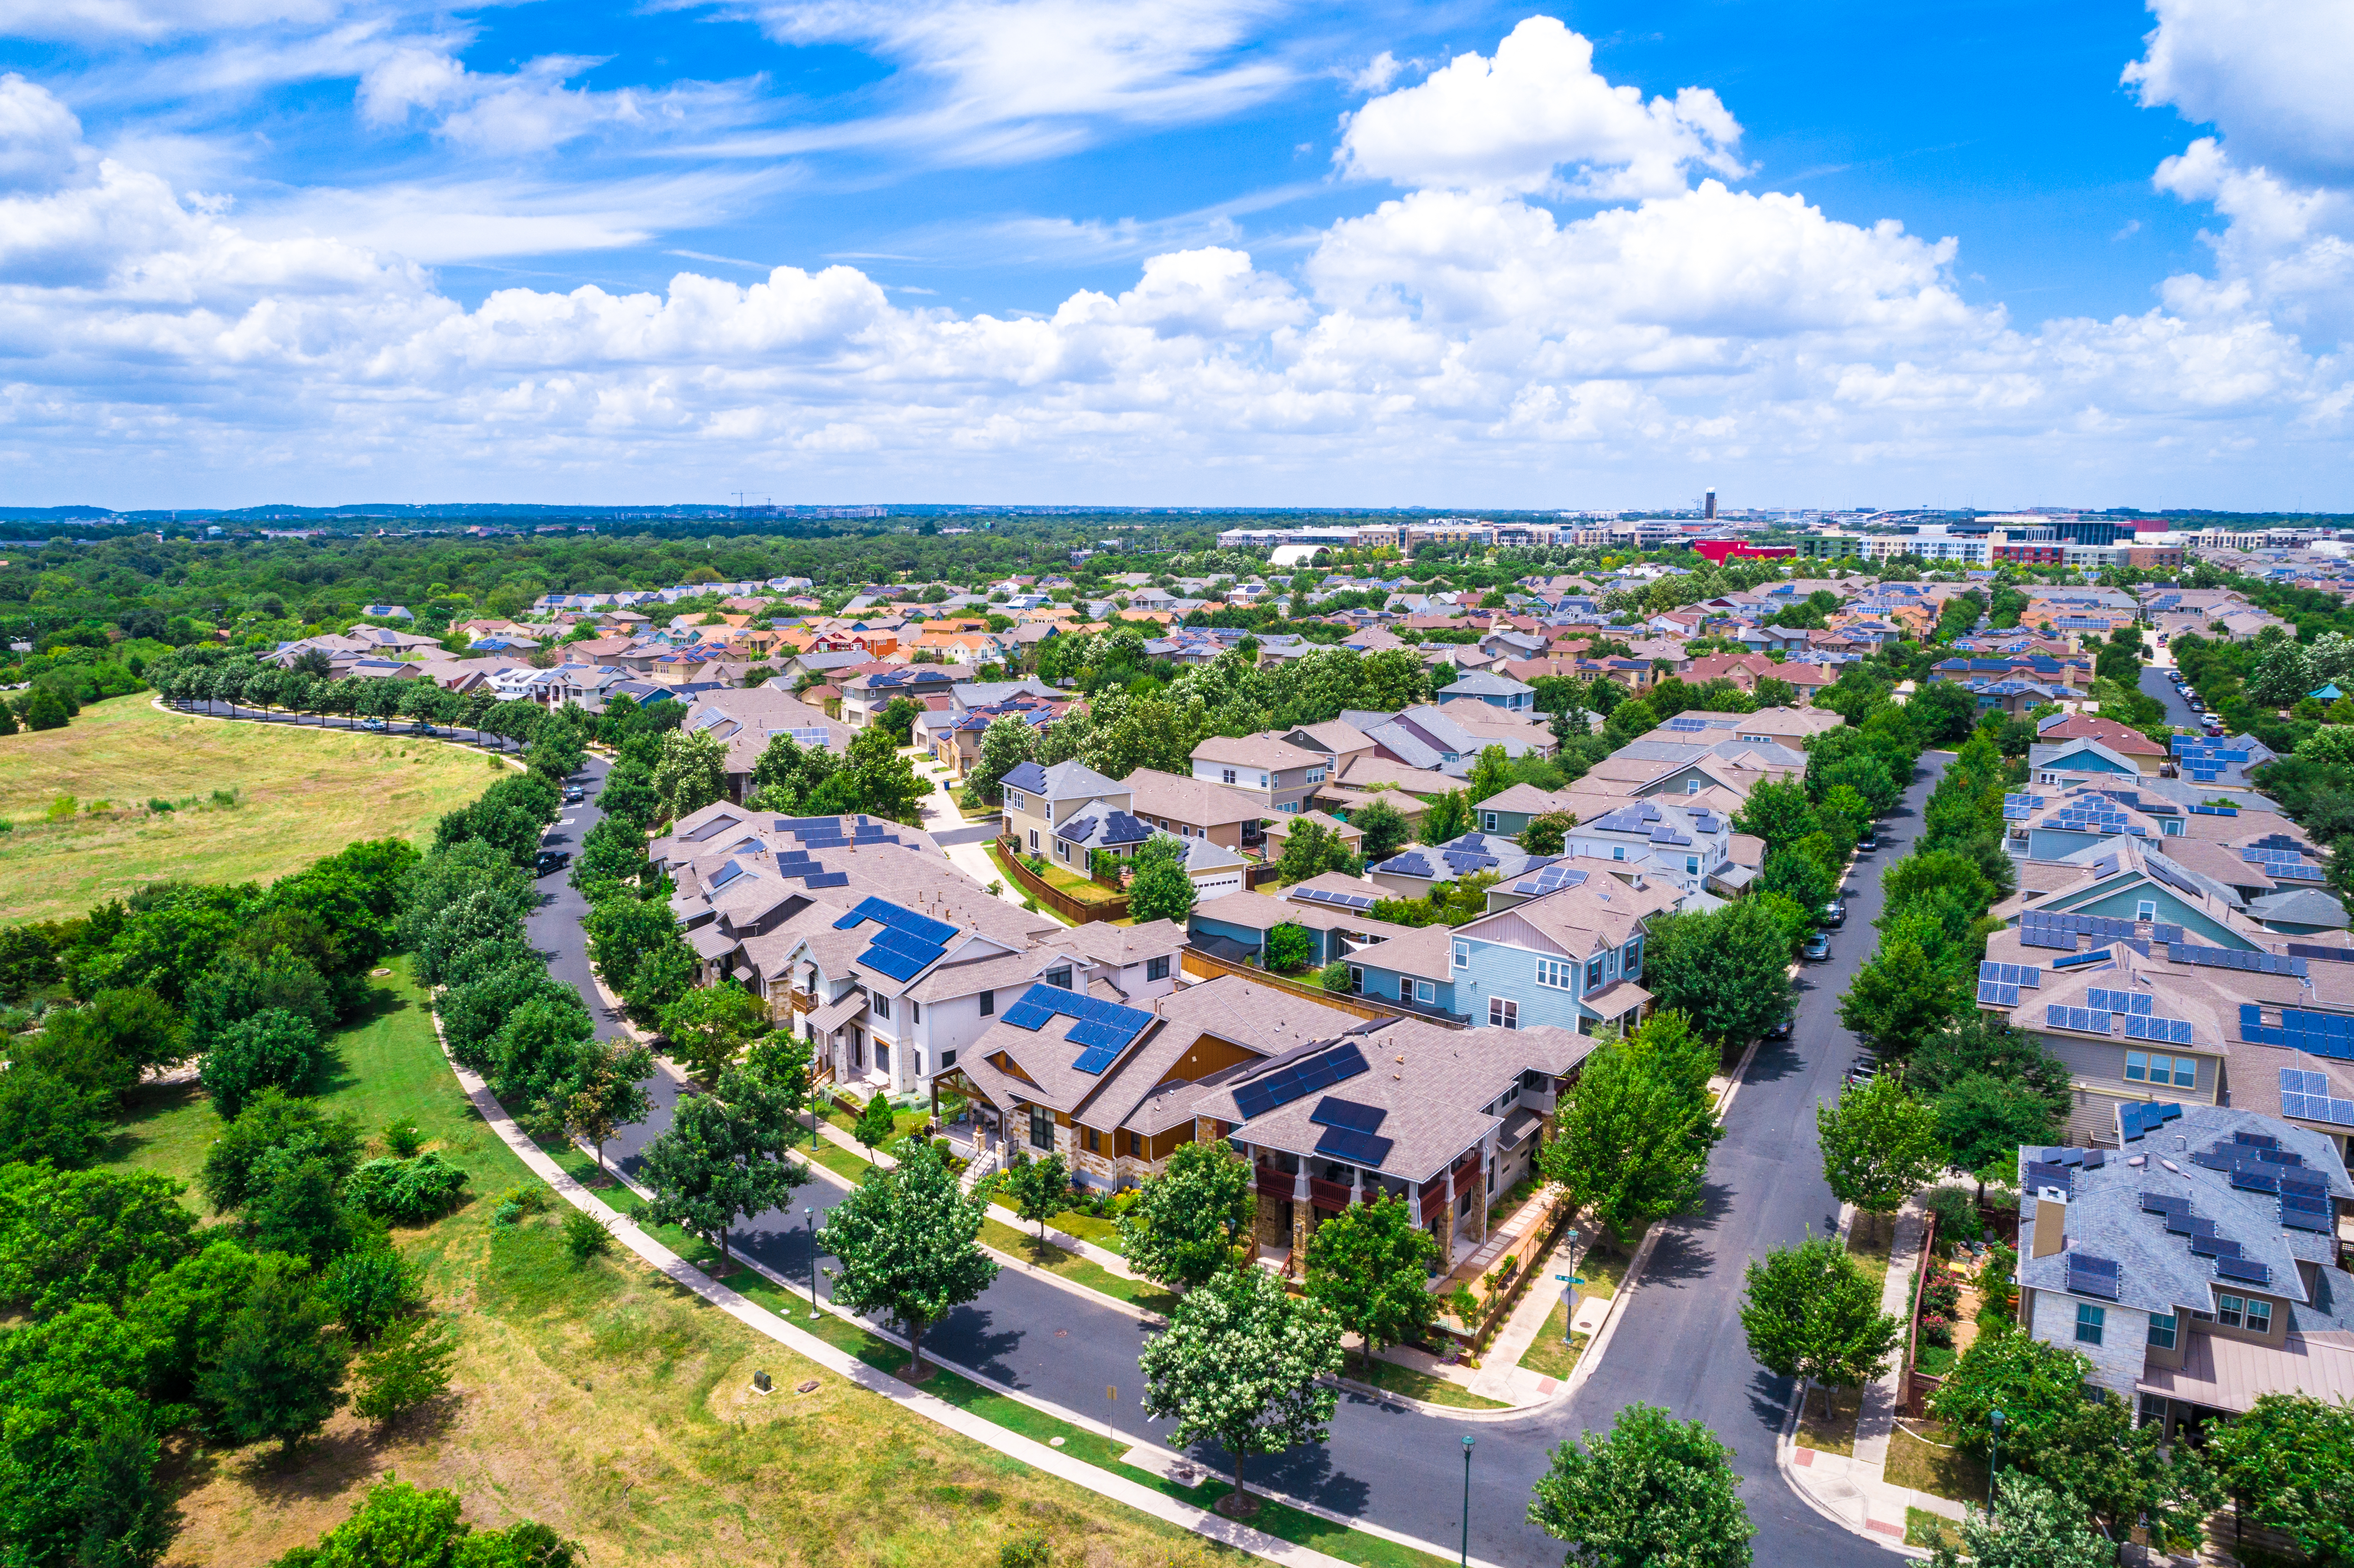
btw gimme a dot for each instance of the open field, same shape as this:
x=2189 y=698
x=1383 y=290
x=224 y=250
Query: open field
x=612 y=1405
x=300 y=794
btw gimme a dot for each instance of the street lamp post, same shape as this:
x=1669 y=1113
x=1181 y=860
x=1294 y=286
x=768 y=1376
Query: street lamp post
x=809 y=1224
x=1465 y=1558
x=1994 y=1462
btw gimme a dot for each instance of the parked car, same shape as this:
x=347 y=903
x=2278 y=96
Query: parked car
x=376 y=725
x=552 y=861
x=1818 y=947
x=1782 y=1030
x=1834 y=914
x=1869 y=843
x=1863 y=1069
x=574 y=794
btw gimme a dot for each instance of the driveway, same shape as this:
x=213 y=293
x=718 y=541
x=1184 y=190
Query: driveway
x=1679 y=1343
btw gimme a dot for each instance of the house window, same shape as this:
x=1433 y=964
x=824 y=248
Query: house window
x=2089 y=1320
x=1593 y=974
x=1042 y=1128
x=1556 y=973
x=1630 y=963
x=1155 y=969
x=1503 y=1014
x=1462 y=954
x=1014 y=799
x=2260 y=1316
x=988 y=1004
x=915 y=1011
x=1356 y=981
x=1424 y=992
x=1691 y=865
x=1488 y=821
x=880 y=1004
x=2146 y=910
x=2161 y=1331
x=2236 y=1313
x=1692 y=786
x=1062 y=848
x=1316 y=776
x=1262 y=780
x=881 y=1056
x=1060 y=978
x=948 y=1060
x=1288 y=806
x=1227 y=776
x=1617 y=852
x=1095 y=1144
x=1034 y=841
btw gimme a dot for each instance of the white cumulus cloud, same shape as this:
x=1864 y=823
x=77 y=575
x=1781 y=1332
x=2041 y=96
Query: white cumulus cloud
x=1512 y=123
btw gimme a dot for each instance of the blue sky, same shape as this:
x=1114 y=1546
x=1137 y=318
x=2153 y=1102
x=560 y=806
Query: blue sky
x=1181 y=250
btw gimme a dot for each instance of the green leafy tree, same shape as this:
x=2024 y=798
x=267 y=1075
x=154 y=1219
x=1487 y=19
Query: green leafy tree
x=1799 y=877
x=1242 y=1363
x=721 y=1159
x=396 y=1525
x=875 y=779
x=280 y=1371
x=1880 y=1145
x=1162 y=888
x=1898 y=999
x=409 y=1366
x=1491 y=774
x=2284 y=1462
x=710 y=1025
x=607 y=1094
x=691 y=774
x=906 y=1241
x=44 y=1118
x=1289 y=946
x=273 y=1049
x=1447 y=818
x=1370 y=1265
x=87 y=1235
x=1632 y=1138
x=898 y=720
x=1943 y=712
x=1726 y=972
x=1311 y=849
x=1812 y=1313
x=1188 y=1222
x=1040 y=1189
x=1547 y=832
x=1005 y=745
x=1983 y=1120
x=371 y=1288
x=1777 y=812
x=1654 y=1491
x=296 y=1208
x=1384 y=828
x=2032 y=1526
x=2037 y=1386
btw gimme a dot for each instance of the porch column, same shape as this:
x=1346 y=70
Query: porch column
x=1447 y=1236
x=1482 y=1200
x=1356 y=1185
x=1300 y=1209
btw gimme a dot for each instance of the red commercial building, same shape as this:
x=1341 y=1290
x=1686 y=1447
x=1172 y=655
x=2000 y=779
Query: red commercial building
x=1716 y=552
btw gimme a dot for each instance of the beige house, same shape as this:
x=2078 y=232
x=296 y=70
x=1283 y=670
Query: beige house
x=1281 y=777
x=1038 y=801
x=1194 y=808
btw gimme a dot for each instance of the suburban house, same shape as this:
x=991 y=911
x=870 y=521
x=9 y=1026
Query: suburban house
x=2193 y=1262
x=1569 y=958
x=749 y=717
x=1441 y=1119
x=1277 y=777
x=1039 y=799
x=1338 y=743
x=1195 y=808
x=1234 y=928
x=1278 y=832
x=866 y=695
x=1413 y=870
x=1495 y=690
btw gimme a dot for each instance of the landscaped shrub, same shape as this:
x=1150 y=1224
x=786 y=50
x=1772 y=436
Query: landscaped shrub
x=406 y=1191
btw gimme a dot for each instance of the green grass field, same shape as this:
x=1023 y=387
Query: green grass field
x=300 y=794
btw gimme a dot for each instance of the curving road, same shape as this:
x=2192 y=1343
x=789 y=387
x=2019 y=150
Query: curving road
x=1679 y=1343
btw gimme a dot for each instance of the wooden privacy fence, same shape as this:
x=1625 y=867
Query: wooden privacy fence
x=1081 y=910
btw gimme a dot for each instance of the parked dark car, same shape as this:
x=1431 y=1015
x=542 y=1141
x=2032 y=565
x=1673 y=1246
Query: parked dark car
x=1869 y=843
x=1835 y=914
x=1781 y=1031
x=552 y=861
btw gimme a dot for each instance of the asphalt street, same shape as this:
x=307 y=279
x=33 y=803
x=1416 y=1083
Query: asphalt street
x=1679 y=1343
x=2154 y=683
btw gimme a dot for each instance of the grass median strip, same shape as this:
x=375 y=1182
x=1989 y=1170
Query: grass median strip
x=1392 y=1378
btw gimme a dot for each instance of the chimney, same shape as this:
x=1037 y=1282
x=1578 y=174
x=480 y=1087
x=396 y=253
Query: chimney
x=2050 y=1221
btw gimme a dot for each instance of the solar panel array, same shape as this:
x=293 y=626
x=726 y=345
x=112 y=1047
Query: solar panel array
x=2246 y=1271
x=2139 y=1001
x=2019 y=807
x=1103 y=1028
x=2325 y=954
x=1998 y=994
x=2091 y=1275
x=813 y=736
x=2082 y=1020
x=1336 y=899
x=907 y=944
x=2305 y=1097
x=2283 y=866
x=1551 y=879
x=2232 y=959
x=2043 y=928
x=2011 y=974
x=2214 y=810
x=1286 y=1083
x=1351 y=1132
x=2136 y=1121
x=2315 y=1033
x=1687 y=725
x=2159 y=1031
x=2079 y=960
x=2043 y=1173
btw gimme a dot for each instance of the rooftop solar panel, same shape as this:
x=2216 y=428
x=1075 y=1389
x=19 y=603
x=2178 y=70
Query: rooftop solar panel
x=1024 y=1015
x=2211 y=1244
x=2309 y=1203
x=2090 y=1275
x=1997 y=995
x=2306 y=1220
x=1356 y=1148
x=2256 y=1139
x=1097 y=1058
x=2164 y=1204
x=1334 y=1111
x=898 y=965
x=2243 y=1270
x=2254 y=1177
x=900 y=941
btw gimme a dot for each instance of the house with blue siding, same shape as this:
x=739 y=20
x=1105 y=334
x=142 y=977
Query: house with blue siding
x=2051 y=822
x=1570 y=959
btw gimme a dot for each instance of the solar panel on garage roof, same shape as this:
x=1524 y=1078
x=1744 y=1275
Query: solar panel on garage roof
x=2306 y=1220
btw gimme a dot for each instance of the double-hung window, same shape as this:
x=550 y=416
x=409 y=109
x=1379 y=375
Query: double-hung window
x=1558 y=973
x=2090 y=1321
x=880 y=1003
x=1462 y=954
x=2245 y=1312
x=1593 y=974
x=1060 y=978
x=2155 y=1067
x=1503 y=1014
x=1155 y=969
x=2161 y=1331
x=1042 y=1128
